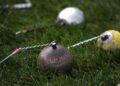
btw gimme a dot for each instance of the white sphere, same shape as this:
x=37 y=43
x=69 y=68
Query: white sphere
x=71 y=15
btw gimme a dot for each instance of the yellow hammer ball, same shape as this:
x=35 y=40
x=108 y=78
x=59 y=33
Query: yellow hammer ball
x=109 y=40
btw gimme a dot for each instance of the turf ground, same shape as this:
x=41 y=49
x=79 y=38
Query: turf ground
x=92 y=67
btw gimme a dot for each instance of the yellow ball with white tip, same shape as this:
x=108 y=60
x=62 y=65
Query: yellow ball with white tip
x=109 y=40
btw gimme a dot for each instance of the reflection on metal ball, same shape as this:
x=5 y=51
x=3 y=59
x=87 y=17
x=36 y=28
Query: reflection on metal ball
x=55 y=57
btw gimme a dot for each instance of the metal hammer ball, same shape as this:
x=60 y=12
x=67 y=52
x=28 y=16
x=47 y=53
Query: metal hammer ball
x=55 y=57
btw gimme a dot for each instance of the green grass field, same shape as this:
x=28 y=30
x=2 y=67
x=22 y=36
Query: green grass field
x=92 y=67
